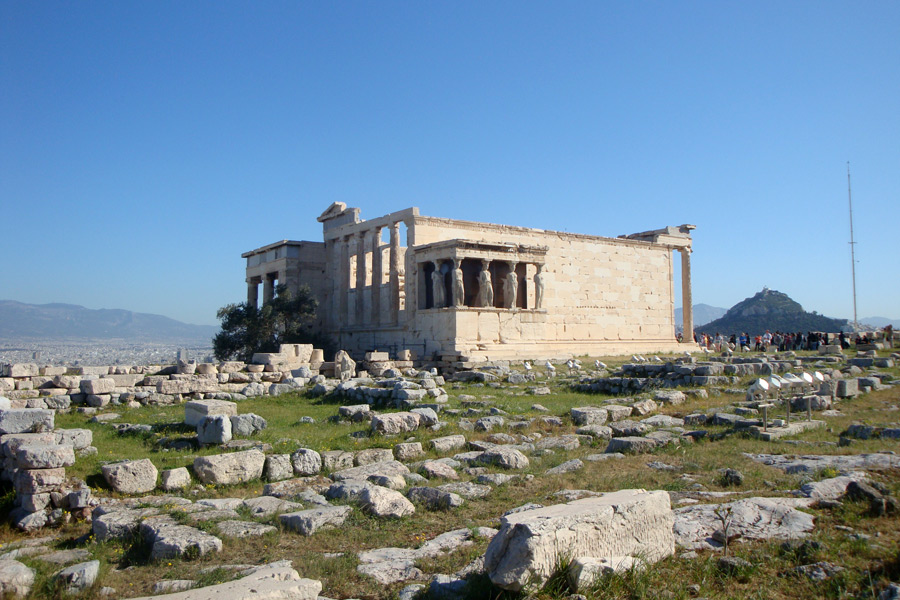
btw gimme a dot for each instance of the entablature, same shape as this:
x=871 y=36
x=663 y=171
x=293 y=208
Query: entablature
x=459 y=249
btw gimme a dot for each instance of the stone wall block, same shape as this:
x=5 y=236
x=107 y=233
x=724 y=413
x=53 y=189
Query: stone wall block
x=215 y=429
x=175 y=479
x=306 y=462
x=39 y=481
x=45 y=456
x=131 y=476
x=26 y=420
x=527 y=548
x=100 y=385
x=196 y=411
x=228 y=469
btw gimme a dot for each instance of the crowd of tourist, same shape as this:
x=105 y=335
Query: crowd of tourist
x=785 y=341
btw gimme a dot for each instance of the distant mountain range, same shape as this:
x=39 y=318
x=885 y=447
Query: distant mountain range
x=770 y=310
x=68 y=321
x=703 y=314
x=879 y=322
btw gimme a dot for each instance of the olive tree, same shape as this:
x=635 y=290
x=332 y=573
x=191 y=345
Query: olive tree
x=286 y=319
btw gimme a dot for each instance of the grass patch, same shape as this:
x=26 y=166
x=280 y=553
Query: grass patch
x=868 y=553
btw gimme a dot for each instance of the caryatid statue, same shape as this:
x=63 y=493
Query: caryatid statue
x=485 y=286
x=539 y=287
x=437 y=286
x=510 y=288
x=459 y=290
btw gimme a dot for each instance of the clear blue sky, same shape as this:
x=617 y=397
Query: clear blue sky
x=145 y=145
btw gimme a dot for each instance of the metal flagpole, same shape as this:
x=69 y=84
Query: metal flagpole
x=852 y=249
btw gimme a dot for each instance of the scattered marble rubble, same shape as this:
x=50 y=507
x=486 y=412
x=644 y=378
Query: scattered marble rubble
x=373 y=479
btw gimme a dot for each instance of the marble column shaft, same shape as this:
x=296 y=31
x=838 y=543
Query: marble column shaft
x=360 y=277
x=687 y=301
x=395 y=272
x=345 y=280
x=252 y=293
x=268 y=289
x=376 y=276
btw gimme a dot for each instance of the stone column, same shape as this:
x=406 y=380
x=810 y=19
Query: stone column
x=252 y=293
x=511 y=287
x=334 y=317
x=395 y=272
x=485 y=286
x=268 y=288
x=459 y=288
x=438 y=294
x=360 y=277
x=376 y=276
x=687 y=301
x=539 y=287
x=344 y=294
x=410 y=275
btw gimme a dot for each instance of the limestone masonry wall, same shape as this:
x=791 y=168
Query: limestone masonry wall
x=483 y=291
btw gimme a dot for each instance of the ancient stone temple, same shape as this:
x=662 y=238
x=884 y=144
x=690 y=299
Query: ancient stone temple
x=445 y=288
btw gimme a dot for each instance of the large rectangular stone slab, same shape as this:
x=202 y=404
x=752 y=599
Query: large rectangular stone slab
x=394 y=423
x=170 y=540
x=131 y=476
x=21 y=370
x=196 y=411
x=101 y=385
x=116 y=522
x=98 y=371
x=10 y=443
x=26 y=420
x=126 y=380
x=228 y=469
x=189 y=385
x=307 y=522
x=387 y=468
x=448 y=443
x=847 y=388
x=589 y=415
x=631 y=444
x=272 y=581
x=774 y=433
x=39 y=481
x=529 y=545
x=45 y=456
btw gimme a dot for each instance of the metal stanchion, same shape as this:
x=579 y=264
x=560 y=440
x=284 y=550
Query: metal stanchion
x=808 y=379
x=765 y=408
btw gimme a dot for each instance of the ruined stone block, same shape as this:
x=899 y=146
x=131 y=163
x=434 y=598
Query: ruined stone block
x=529 y=545
x=101 y=385
x=196 y=411
x=26 y=420
x=847 y=388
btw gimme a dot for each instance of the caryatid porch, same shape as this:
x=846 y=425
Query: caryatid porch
x=465 y=274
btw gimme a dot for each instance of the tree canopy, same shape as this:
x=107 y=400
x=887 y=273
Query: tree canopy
x=286 y=319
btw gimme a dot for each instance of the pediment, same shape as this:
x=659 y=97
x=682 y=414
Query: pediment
x=335 y=210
